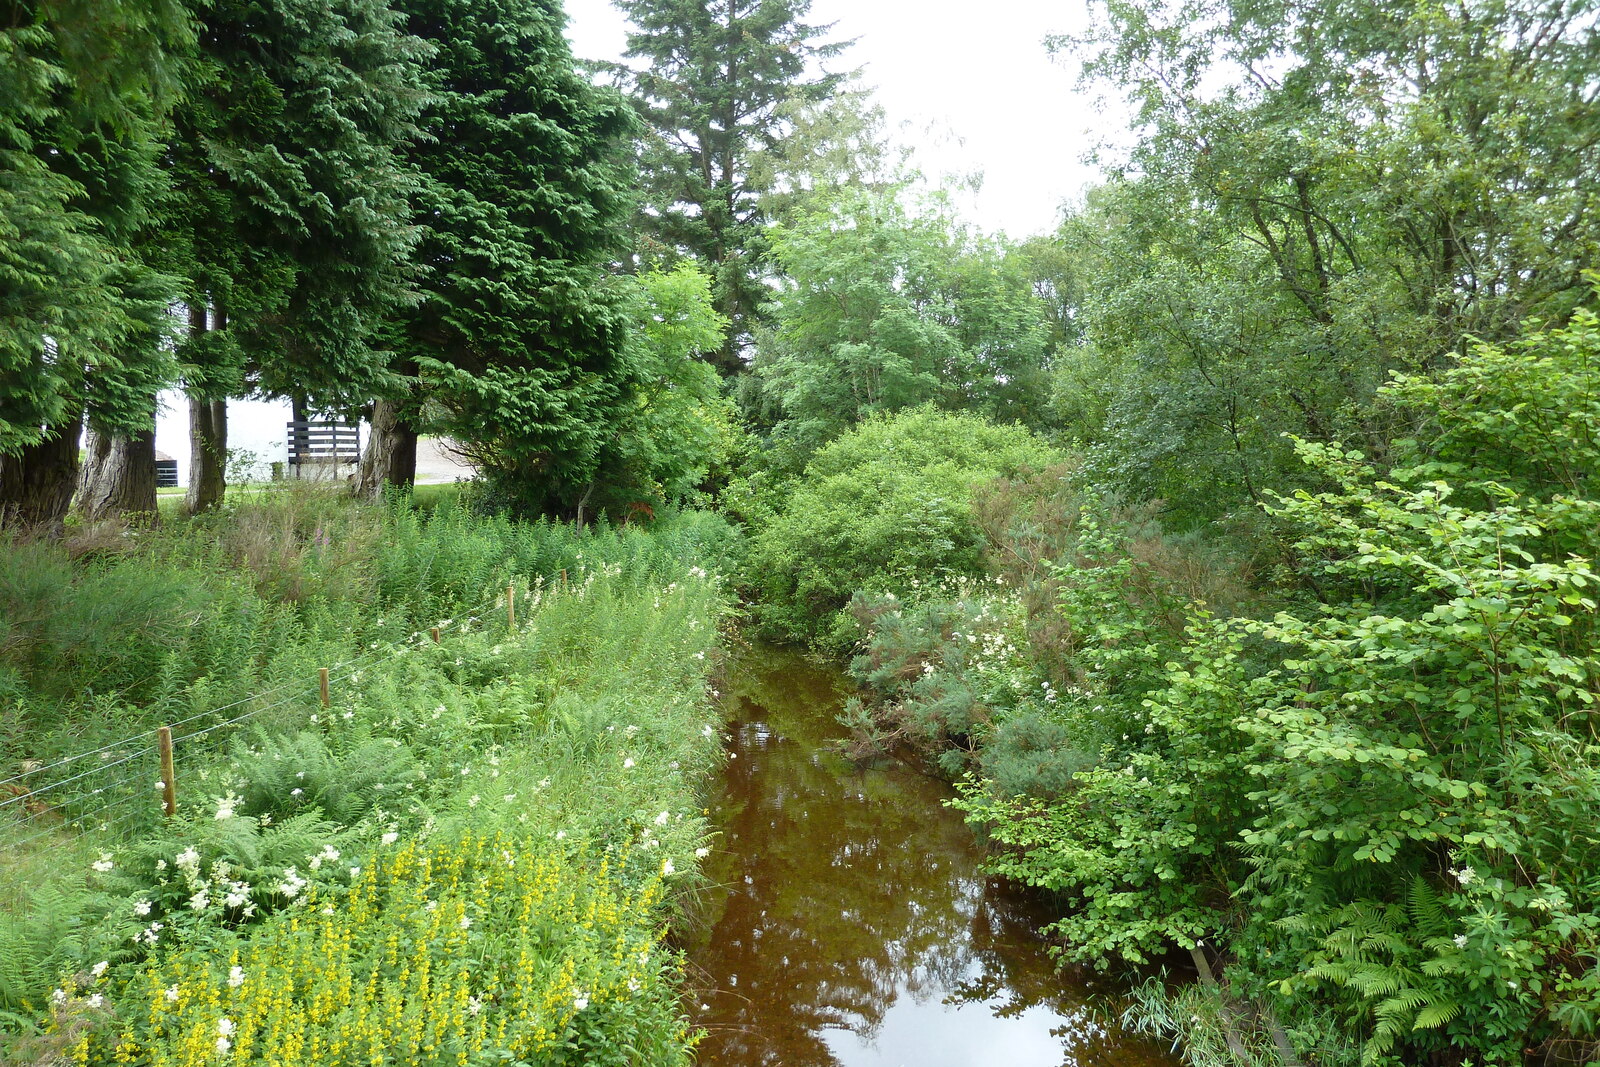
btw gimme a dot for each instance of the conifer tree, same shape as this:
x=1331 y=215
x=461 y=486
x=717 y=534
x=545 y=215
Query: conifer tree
x=518 y=343
x=712 y=82
x=82 y=92
x=290 y=213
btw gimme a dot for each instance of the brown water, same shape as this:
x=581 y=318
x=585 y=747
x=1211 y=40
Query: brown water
x=853 y=926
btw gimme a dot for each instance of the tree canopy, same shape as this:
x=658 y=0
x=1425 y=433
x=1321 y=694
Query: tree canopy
x=717 y=86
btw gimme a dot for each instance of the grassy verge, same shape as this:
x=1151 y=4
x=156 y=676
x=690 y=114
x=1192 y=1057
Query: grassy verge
x=469 y=857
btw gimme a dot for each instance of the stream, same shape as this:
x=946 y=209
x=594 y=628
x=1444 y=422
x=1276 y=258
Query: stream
x=851 y=925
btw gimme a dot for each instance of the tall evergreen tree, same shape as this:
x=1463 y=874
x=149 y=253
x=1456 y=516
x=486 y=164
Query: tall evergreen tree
x=82 y=91
x=714 y=84
x=518 y=344
x=290 y=213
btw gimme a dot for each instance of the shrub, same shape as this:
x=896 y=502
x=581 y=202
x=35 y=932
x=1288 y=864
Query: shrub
x=882 y=509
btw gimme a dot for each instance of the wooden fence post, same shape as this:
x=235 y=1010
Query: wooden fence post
x=511 y=605
x=435 y=633
x=322 y=678
x=169 y=786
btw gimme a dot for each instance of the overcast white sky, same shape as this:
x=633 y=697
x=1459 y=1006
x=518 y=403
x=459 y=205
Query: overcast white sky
x=978 y=72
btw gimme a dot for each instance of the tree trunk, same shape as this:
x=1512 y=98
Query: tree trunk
x=208 y=455
x=208 y=439
x=300 y=440
x=36 y=485
x=120 y=476
x=391 y=455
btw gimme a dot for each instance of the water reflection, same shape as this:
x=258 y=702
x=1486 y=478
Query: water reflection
x=854 y=928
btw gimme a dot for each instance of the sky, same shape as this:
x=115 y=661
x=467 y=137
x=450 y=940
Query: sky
x=969 y=85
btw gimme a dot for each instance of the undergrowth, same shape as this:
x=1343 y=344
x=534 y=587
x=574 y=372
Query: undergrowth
x=356 y=881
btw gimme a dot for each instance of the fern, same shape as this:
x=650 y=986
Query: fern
x=1383 y=954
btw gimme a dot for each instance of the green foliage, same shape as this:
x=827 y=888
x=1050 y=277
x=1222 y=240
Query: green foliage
x=382 y=822
x=716 y=90
x=211 y=611
x=880 y=509
x=83 y=89
x=1377 y=806
x=677 y=427
x=1322 y=193
x=883 y=309
x=289 y=213
x=519 y=343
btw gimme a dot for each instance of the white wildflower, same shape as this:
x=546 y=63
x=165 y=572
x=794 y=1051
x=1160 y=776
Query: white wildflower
x=235 y=977
x=292 y=883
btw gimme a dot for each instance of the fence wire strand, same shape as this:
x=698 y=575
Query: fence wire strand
x=143 y=743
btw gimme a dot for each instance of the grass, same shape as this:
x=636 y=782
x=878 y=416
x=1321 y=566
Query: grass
x=553 y=767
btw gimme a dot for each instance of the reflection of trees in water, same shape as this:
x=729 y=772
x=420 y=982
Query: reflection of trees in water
x=1009 y=962
x=841 y=901
x=846 y=891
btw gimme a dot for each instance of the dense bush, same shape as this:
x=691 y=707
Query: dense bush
x=882 y=509
x=1367 y=804
x=1377 y=809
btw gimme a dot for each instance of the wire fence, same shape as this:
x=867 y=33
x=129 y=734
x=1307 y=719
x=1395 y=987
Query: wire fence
x=103 y=796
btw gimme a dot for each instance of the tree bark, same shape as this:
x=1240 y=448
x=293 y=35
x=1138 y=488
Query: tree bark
x=119 y=478
x=36 y=485
x=391 y=454
x=208 y=439
x=208 y=455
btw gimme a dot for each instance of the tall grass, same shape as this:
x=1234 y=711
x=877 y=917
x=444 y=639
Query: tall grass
x=164 y=624
x=568 y=749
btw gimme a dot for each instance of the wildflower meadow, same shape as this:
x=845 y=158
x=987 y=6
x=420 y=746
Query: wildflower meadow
x=470 y=854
